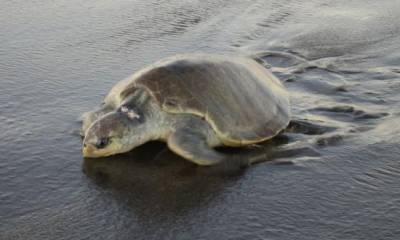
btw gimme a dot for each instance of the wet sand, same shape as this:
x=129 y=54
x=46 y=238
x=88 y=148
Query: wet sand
x=333 y=174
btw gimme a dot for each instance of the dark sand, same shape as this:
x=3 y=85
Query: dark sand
x=340 y=172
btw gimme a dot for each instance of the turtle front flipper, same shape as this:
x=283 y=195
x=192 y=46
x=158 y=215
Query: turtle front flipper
x=192 y=144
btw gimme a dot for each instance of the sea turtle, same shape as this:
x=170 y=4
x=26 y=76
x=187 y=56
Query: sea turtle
x=194 y=102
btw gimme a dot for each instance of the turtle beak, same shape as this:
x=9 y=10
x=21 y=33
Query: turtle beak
x=88 y=151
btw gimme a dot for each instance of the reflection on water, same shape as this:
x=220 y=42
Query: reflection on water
x=333 y=173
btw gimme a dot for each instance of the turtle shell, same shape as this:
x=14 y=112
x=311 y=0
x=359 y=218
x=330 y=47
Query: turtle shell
x=241 y=100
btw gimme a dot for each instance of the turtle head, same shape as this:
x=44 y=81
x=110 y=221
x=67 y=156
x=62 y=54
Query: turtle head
x=116 y=132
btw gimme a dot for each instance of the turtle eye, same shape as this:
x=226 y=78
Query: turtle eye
x=102 y=143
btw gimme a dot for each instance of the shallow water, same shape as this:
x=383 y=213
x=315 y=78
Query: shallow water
x=335 y=171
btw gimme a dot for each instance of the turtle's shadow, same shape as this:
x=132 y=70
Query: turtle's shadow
x=155 y=183
x=152 y=182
